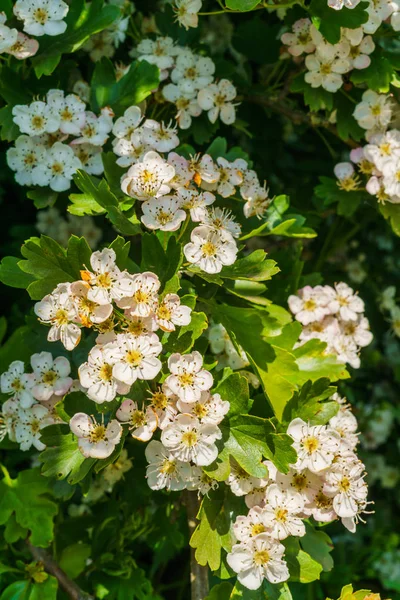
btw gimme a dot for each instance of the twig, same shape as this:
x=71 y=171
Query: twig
x=198 y=574
x=50 y=566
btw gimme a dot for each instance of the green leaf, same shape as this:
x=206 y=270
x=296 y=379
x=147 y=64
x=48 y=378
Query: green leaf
x=391 y=212
x=329 y=192
x=235 y=389
x=316 y=98
x=62 y=458
x=47 y=590
x=42 y=198
x=207 y=537
x=301 y=566
x=378 y=75
x=254 y=267
x=330 y=21
x=313 y=363
x=165 y=262
x=26 y=498
x=347 y=126
x=221 y=591
x=11 y=274
x=318 y=545
x=183 y=338
x=83 y=20
x=121 y=249
x=9 y=130
x=257 y=40
x=16 y=591
x=242 y=5
x=312 y=403
x=277 y=224
x=13 y=531
x=73 y=559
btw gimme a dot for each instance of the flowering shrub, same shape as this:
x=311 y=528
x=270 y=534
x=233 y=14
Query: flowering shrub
x=194 y=360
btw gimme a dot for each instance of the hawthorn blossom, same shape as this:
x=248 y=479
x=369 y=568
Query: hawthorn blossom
x=163 y=213
x=339 y=4
x=344 y=301
x=230 y=175
x=142 y=422
x=170 y=312
x=257 y=200
x=90 y=158
x=58 y=310
x=192 y=72
x=149 y=178
x=136 y=357
x=222 y=221
x=346 y=485
x=186 y=12
x=189 y=440
x=8 y=36
x=316 y=446
x=217 y=99
x=95 y=440
x=196 y=202
x=326 y=70
x=107 y=282
x=70 y=110
x=51 y=376
x=130 y=151
x=42 y=17
x=36 y=118
x=143 y=295
x=164 y=470
x=300 y=41
x=249 y=526
x=24 y=47
x=210 y=408
x=310 y=304
x=163 y=402
x=203 y=169
x=186 y=104
x=9 y=417
x=383 y=148
x=241 y=482
x=160 y=137
x=96 y=128
x=18 y=383
x=59 y=166
x=30 y=421
x=258 y=559
x=127 y=124
x=378 y=11
x=159 y=52
x=188 y=379
x=209 y=250
x=96 y=375
x=281 y=512
x=374 y=112
x=201 y=481
x=347 y=180
x=303 y=482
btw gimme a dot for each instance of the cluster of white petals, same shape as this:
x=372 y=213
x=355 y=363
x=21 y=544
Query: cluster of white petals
x=186 y=12
x=326 y=483
x=50 y=222
x=15 y=42
x=334 y=315
x=187 y=78
x=44 y=155
x=108 y=40
x=378 y=11
x=33 y=396
x=327 y=63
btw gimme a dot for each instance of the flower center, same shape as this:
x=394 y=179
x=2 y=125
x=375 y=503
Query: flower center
x=168 y=467
x=37 y=122
x=200 y=410
x=376 y=110
x=97 y=434
x=138 y=418
x=257 y=529
x=209 y=249
x=322 y=501
x=136 y=327
x=57 y=168
x=299 y=481
x=261 y=557
x=189 y=438
x=310 y=444
x=310 y=305
x=30 y=159
x=50 y=377
x=141 y=297
x=164 y=313
x=133 y=357
x=61 y=317
x=40 y=15
x=159 y=400
x=326 y=69
x=17 y=385
x=344 y=484
x=35 y=426
x=105 y=372
x=66 y=114
x=281 y=515
x=163 y=217
x=104 y=280
x=186 y=379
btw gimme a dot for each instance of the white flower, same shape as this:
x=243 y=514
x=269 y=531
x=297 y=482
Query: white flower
x=158 y=136
x=143 y=295
x=142 y=422
x=304 y=483
x=107 y=283
x=257 y=200
x=230 y=175
x=95 y=440
x=136 y=357
x=18 y=383
x=374 y=111
x=35 y=118
x=189 y=440
x=126 y=125
x=42 y=17
x=170 y=312
x=164 y=404
x=8 y=36
x=200 y=481
x=345 y=424
x=115 y=471
x=88 y=312
x=321 y=508
x=188 y=379
x=358 y=331
x=96 y=129
x=9 y=417
x=310 y=304
x=383 y=148
x=140 y=326
x=315 y=446
x=159 y=52
x=51 y=375
x=24 y=47
x=148 y=178
x=222 y=221
x=347 y=487
x=90 y=158
x=361 y=49
x=163 y=213
x=70 y=110
x=82 y=89
x=27 y=154
x=186 y=12
x=185 y=102
x=241 y=482
x=346 y=350
x=204 y=169
x=300 y=41
x=192 y=72
x=209 y=250
x=325 y=330
x=130 y=150
x=210 y=408
x=58 y=310
x=344 y=302
x=57 y=170
x=96 y=375
x=281 y=513
x=378 y=11
x=247 y=527
x=258 y=559
x=216 y=99
x=339 y=4
x=196 y=202
x=29 y=423
x=164 y=470
x=326 y=70
x=391 y=177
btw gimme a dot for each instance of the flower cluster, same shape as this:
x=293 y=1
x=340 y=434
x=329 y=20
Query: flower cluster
x=33 y=396
x=327 y=63
x=327 y=483
x=378 y=11
x=191 y=84
x=334 y=315
x=42 y=155
x=51 y=223
x=106 y=42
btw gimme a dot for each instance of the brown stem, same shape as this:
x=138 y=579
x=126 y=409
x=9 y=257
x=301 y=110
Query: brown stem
x=50 y=566
x=198 y=575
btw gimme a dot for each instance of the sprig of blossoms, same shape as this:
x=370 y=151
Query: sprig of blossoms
x=326 y=483
x=334 y=315
x=188 y=78
x=43 y=155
